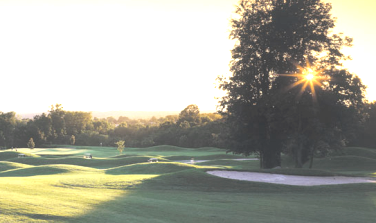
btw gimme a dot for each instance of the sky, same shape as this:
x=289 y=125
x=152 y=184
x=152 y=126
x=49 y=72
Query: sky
x=144 y=55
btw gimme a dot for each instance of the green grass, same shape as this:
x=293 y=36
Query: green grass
x=96 y=162
x=5 y=165
x=232 y=164
x=362 y=152
x=46 y=170
x=6 y=155
x=149 y=168
x=203 y=156
x=300 y=172
x=58 y=185
x=351 y=165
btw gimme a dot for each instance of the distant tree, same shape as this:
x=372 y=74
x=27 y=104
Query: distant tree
x=120 y=145
x=8 y=124
x=153 y=119
x=366 y=135
x=21 y=134
x=72 y=140
x=76 y=121
x=102 y=126
x=31 y=143
x=184 y=125
x=92 y=138
x=190 y=114
x=123 y=119
x=41 y=129
x=58 y=122
x=112 y=120
x=121 y=130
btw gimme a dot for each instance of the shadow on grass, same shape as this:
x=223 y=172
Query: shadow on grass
x=32 y=171
x=149 y=168
x=46 y=217
x=94 y=163
x=194 y=196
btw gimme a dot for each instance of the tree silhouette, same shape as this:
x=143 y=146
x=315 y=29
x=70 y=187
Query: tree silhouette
x=268 y=100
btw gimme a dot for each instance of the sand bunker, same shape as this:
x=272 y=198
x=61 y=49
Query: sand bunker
x=201 y=161
x=289 y=179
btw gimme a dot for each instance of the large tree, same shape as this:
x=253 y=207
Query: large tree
x=263 y=109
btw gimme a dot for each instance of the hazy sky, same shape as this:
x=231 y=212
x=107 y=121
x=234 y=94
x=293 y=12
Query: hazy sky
x=135 y=54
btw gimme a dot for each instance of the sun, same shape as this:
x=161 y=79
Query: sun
x=308 y=76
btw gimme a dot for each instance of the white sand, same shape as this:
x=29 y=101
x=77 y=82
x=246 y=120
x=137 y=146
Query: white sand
x=201 y=161
x=289 y=179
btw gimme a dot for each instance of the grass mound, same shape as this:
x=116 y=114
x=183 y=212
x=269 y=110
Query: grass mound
x=149 y=168
x=162 y=148
x=132 y=190
x=33 y=171
x=299 y=172
x=99 y=162
x=345 y=163
x=232 y=164
x=198 y=180
x=204 y=157
x=360 y=151
x=46 y=170
x=5 y=165
x=6 y=155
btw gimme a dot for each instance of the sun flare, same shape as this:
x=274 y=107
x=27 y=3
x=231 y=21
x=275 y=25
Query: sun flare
x=308 y=76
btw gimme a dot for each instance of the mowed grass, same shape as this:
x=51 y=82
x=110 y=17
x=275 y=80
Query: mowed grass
x=128 y=189
x=5 y=165
x=354 y=161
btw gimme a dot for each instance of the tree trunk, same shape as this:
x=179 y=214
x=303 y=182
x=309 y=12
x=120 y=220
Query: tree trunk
x=311 y=157
x=298 y=156
x=271 y=158
x=299 y=150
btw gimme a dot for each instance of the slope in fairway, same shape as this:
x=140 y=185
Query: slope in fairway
x=127 y=189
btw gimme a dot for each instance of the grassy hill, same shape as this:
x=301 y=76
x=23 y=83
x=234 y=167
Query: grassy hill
x=58 y=185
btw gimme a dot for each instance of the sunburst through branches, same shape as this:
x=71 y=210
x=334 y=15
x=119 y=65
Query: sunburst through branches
x=308 y=76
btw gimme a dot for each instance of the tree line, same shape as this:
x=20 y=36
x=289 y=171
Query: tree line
x=188 y=129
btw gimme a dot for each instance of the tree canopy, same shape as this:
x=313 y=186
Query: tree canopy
x=288 y=89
